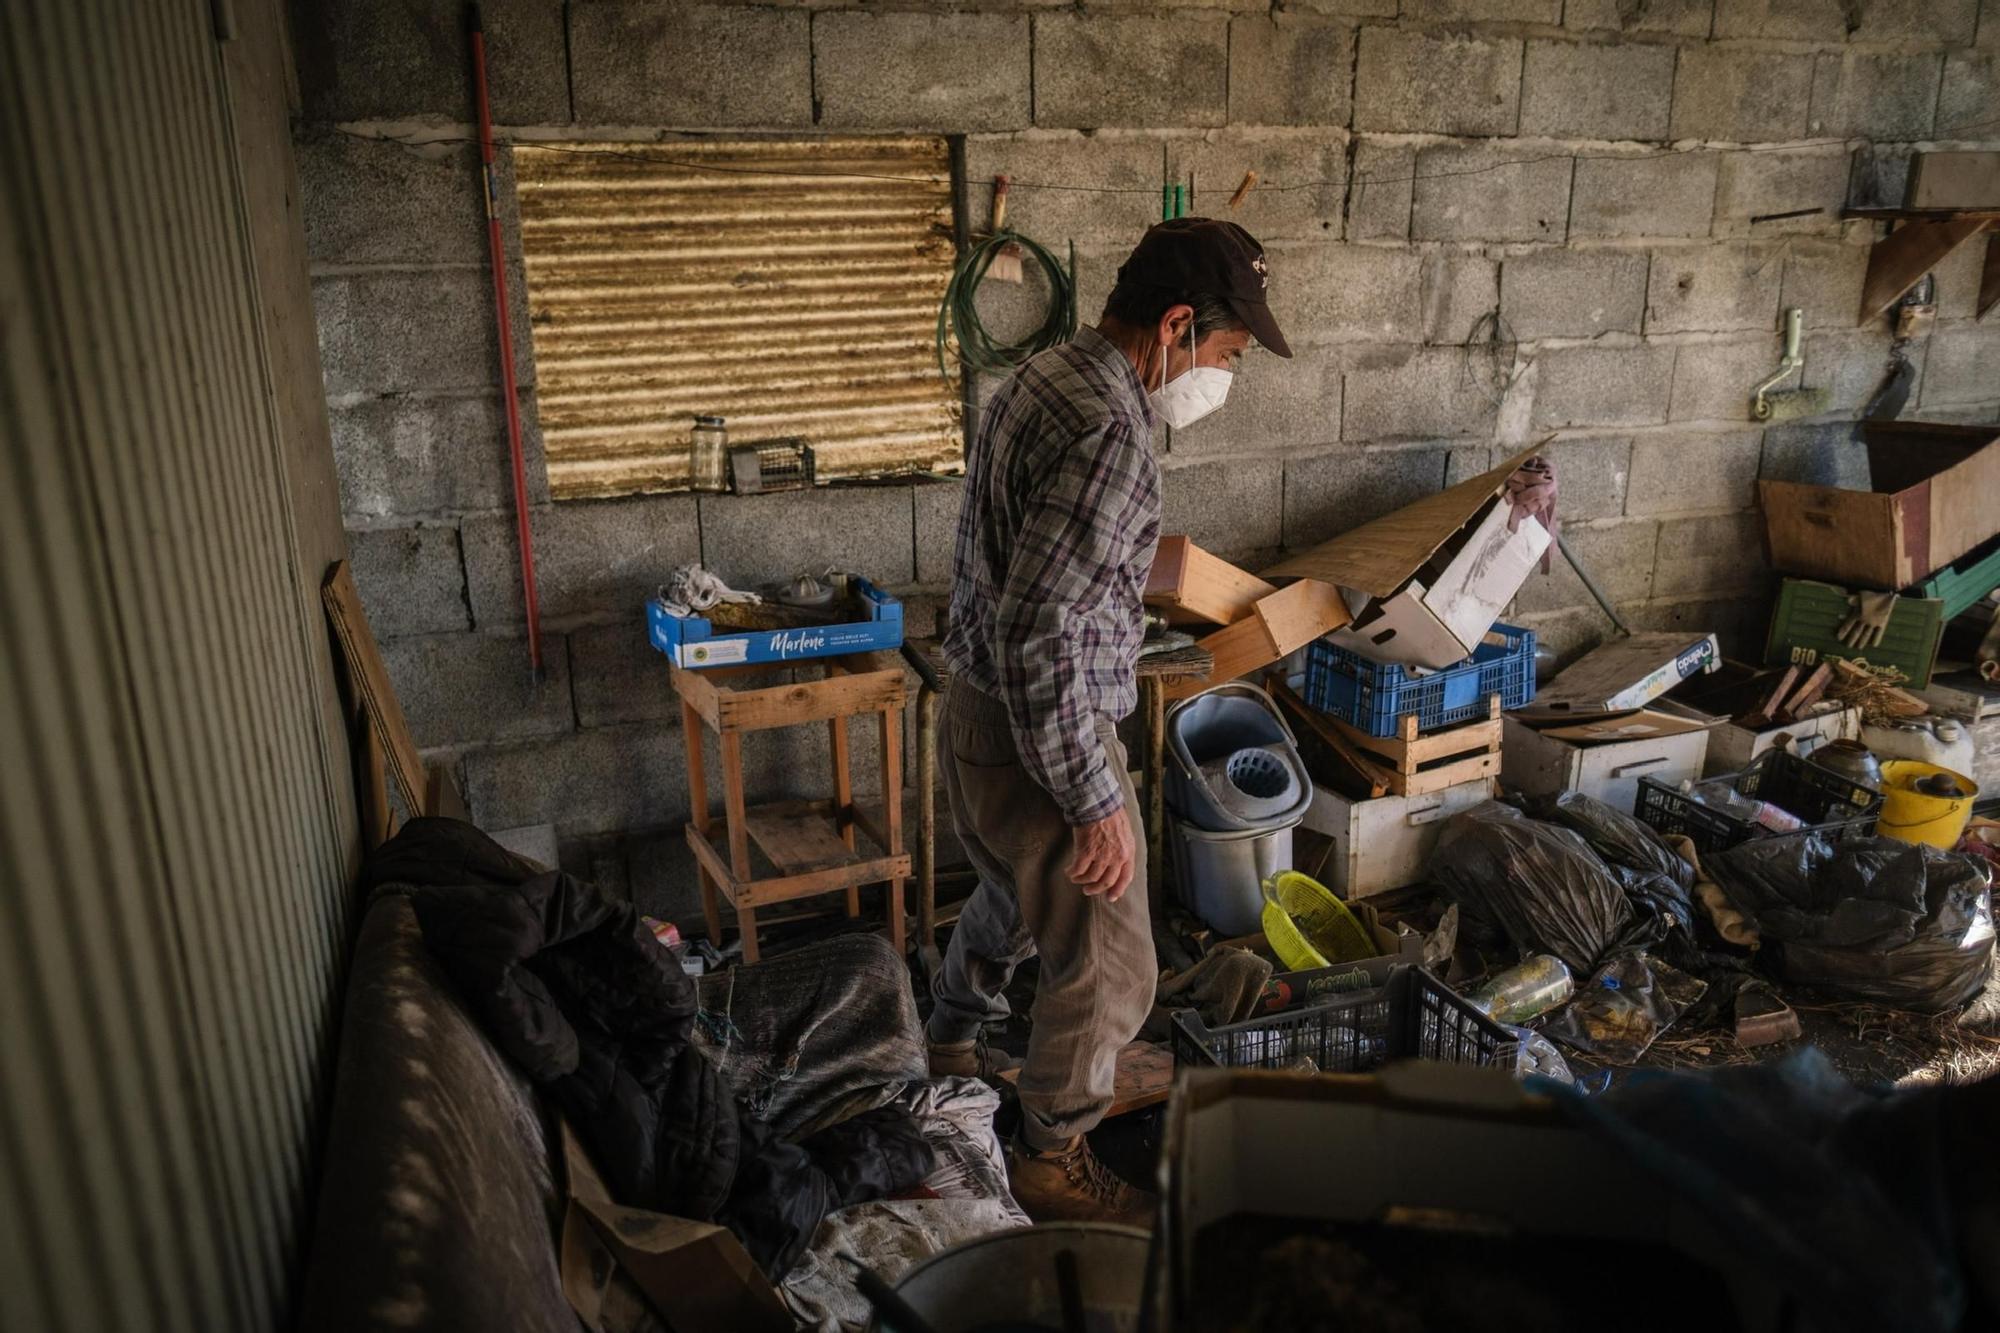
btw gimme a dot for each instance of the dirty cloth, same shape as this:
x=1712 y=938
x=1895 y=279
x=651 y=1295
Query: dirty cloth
x=1224 y=987
x=576 y=990
x=893 y=1235
x=1531 y=493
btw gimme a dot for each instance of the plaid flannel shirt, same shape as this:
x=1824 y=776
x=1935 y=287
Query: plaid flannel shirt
x=1061 y=513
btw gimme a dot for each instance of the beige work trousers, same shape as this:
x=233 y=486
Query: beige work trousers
x=1097 y=968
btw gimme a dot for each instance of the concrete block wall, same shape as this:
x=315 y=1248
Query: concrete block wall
x=1592 y=178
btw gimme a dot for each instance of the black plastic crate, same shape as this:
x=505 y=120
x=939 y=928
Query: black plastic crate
x=1415 y=1016
x=1816 y=795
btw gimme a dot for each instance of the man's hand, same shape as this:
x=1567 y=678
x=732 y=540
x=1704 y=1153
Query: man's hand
x=1103 y=861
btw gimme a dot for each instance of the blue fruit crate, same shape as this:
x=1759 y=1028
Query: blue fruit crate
x=692 y=641
x=1375 y=696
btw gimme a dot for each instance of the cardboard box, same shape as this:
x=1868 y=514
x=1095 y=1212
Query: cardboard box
x=1806 y=623
x=1605 y=758
x=1933 y=500
x=1417 y=1138
x=1623 y=675
x=1426 y=582
x=1400 y=945
x=1384 y=843
x=694 y=641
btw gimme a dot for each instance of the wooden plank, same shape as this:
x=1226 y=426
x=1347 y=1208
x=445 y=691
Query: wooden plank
x=698 y=692
x=1449 y=775
x=1191 y=585
x=1907 y=253
x=732 y=806
x=809 y=701
x=1774 y=698
x=798 y=837
x=369 y=681
x=378 y=824
x=1809 y=692
x=441 y=795
x=1282 y=623
x=843 y=798
x=1408 y=756
x=892 y=816
x=1236 y=650
x=692 y=741
x=1321 y=726
x=1145 y=1077
x=1989 y=274
x=784 y=888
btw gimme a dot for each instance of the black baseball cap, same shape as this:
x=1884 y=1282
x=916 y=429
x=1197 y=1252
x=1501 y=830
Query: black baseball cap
x=1209 y=257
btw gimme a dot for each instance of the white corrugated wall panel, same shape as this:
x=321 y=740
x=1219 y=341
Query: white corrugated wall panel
x=175 y=888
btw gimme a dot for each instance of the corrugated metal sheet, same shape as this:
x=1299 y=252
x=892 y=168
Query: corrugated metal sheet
x=791 y=286
x=172 y=914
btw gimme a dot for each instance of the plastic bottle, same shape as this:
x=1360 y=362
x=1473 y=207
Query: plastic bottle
x=1525 y=990
x=1943 y=741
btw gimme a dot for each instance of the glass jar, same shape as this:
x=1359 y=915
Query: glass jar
x=708 y=455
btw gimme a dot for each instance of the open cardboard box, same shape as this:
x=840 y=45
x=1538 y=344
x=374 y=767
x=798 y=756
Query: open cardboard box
x=1935 y=495
x=1426 y=582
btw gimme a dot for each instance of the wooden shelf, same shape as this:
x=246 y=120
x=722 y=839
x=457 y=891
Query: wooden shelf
x=1922 y=241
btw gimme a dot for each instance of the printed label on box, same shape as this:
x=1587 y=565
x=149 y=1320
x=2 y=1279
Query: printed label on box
x=718 y=652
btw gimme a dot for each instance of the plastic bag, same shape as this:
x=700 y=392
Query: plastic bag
x=1538 y=884
x=1539 y=1057
x=1899 y=923
x=1655 y=877
x=1631 y=1001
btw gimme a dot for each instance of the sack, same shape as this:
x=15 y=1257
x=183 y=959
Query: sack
x=1655 y=877
x=1538 y=884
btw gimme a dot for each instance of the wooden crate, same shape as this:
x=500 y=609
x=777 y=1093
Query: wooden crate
x=1416 y=765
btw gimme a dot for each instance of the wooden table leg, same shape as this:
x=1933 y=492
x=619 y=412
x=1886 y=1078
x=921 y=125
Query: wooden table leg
x=843 y=799
x=739 y=836
x=1153 y=699
x=693 y=740
x=892 y=813
x=927 y=820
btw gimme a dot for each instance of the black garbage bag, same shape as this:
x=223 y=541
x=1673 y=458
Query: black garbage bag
x=1539 y=885
x=1654 y=876
x=1899 y=923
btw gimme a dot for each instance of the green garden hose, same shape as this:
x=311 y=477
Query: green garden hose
x=958 y=315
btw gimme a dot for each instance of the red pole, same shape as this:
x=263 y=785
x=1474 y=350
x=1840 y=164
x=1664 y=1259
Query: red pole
x=502 y=318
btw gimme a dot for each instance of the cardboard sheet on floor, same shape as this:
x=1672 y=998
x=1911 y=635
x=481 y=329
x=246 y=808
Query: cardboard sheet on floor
x=1622 y=675
x=1646 y=724
x=1428 y=581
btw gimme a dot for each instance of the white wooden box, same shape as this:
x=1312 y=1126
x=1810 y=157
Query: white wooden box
x=1385 y=843
x=1609 y=770
x=1732 y=747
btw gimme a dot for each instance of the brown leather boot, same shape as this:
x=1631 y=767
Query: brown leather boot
x=1071 y=1185
x=970 y=1059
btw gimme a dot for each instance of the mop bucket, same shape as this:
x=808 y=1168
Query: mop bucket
x=1911 y=814
x=1232 y=763
x=1307 y=926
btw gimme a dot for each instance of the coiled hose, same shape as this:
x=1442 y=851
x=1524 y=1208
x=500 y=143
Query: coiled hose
x=958 y=314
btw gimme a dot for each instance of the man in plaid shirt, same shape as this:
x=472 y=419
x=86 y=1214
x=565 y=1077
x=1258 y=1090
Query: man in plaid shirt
x=1061 y=512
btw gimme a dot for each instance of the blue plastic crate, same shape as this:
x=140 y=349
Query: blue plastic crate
x=1375 y=696
x=693 y=641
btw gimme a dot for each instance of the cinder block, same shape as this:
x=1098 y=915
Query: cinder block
x=1567 y=634
x=1232 y=507
x=397 y=59
x=1332 y=292
x=1933 y=22
x=1969 y=101
x=1413 y=393
x=950 y=71
x=1823 y=279
x=1475 y=192
x=1505 y=11
x=1591 y=472
x=1740 y=620
x=1818 y=453
x=377 y=201
x=469 y=689
x=1289 y=69
x=1619 y=556
x=1356 y=8
x=1712 y=553
x=402 y=331
x=1713 y=289
x=1458 y=290
x=1602 y=386
x=660 y=871
x=619 y=676
x=1273 y=403
x=696 y=66
x=1121 y=162
x=594 y=559
x=1876 y=95
x=1741 y=94
x=1595 y=90
x=1751 y=185
x=1681 y=18
x=1469 y=460
x=410 y=579
x=1097 y=69
x=416 y=455
x=1574 y=293
x=1664 y=194
x=1879 y=175
x=1960 y=367
x=865 y=530
x=937 y=511
x=604 y=780
x=1288 y=159
x=1438 y=83
x=1378 y=207
x=1795 y=20
x=1680 y=474
x=1327 y=494
x=1713 y=378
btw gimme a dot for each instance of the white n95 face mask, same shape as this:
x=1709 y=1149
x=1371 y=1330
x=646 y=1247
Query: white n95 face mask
x=1192 y=394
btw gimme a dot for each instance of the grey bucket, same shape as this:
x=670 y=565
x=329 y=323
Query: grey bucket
x=1220 y=876
x=1010 y=1278
x=1209 y=731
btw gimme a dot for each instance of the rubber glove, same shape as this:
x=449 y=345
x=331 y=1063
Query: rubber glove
x=1869 y=619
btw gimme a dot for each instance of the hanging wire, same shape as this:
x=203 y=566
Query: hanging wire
x=1492 y=356
x=958 y=314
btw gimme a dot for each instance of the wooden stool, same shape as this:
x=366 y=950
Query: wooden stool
x=811 y=846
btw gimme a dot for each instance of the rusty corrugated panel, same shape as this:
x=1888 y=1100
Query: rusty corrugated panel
x=791 y=286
